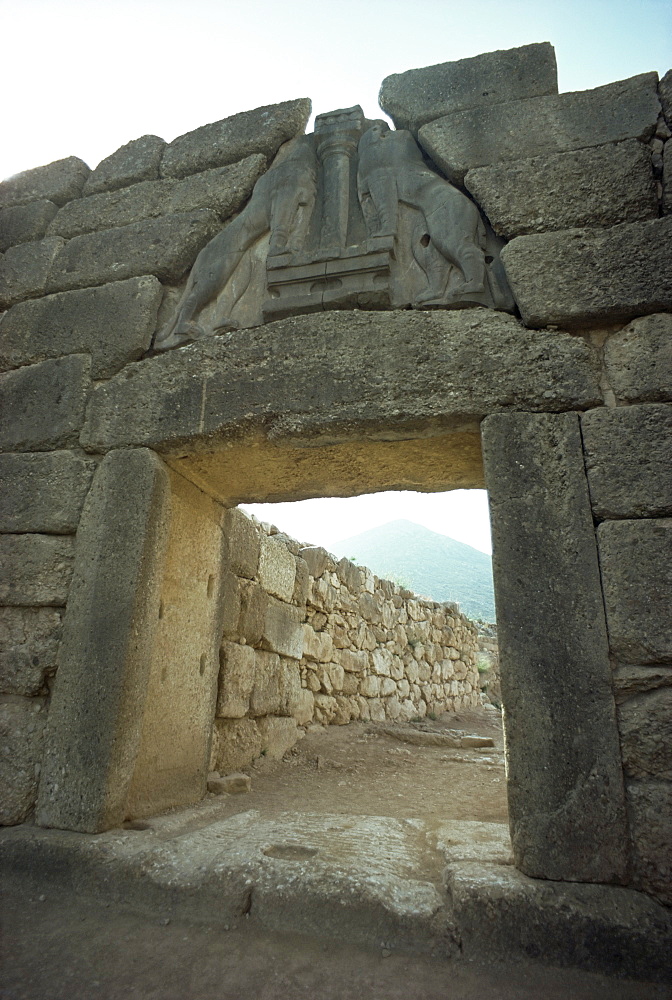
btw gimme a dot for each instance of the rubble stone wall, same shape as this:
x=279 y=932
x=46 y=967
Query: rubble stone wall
x=308 y=638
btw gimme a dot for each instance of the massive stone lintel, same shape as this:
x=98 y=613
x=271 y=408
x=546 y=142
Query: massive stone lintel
x=565 y=781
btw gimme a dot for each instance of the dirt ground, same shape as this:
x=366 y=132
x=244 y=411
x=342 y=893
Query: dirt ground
x=59 y=947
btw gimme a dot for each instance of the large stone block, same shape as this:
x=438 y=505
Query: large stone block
x=43 y=491
x=339 y=370
x=266 y=694
x=418 y=96
x=22 y=722
x=518 y=130
x=636 y=562
x=630 y=679
x=136 y=161
x=580 y=277
x=650 y=813
x=665 y=93
x=44 y=404
x=243 y=543
x=277 y=568
x=236 y=743
x=223 y=189
x=317 y=558
x=253 y=609
x=236 y=680
x=25 y=270
x=165 y=247
x=509 y=917
x=565 y=786
x=638 y=360
x=628 y=453
x=283 y=631
x=25 y=223
x=113 y=323
x=35 y=569
x=260 y=131
x=601 y=186
x=59 y=182
x=29 y=643
x=278 y=735
x=95 y=718
x=645 y=725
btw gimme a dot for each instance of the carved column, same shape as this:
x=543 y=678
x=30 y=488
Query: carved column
x=337 y=136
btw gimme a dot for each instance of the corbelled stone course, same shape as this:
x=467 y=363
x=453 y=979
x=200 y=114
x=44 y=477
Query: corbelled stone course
x=43 y=492
x=638 y=360
x=29 y=642
x=636 y=563
x=518 y=130
x=224 y=190
x=260 y=131
x=628 y=453
x=113 y=323
x=343 y=370
x=136 y=161
x=35 y=570
x=566 y=800
x=46 y=402
x=418 y=96
x=59 y=182
x=601 y=186
x=25 y=223
x=25 y=270
x=645 y=724
x=579 y=277
x=165 y=247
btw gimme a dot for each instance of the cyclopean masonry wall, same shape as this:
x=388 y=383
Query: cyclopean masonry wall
x=308 y=638
x=549 y=384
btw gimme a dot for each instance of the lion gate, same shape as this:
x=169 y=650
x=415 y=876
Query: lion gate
x=480 y=297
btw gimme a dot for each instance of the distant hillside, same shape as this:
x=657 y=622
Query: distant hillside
x=430 y=564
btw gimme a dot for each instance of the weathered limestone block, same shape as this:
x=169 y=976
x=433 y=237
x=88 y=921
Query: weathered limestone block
x=231 y=597
x=645 y=725
x=25 y=223
x=317 y=558
x=352 y=660
x=305 y=708
x=223 y=190
x=165 y=247
x=277 y=568
x=113 y=323
x=627 y=109
x=43 y=491
x=631 y=679
x=425 y=365
x=650 y=813
x=665 y=94
x=243 y=544
x=235 y=744
x=370 y=686
x=301 y=582
x=29 y=643
x=638 y=360
x=253 y=610
x=283 y=629
x=600 y=186
x=236 y=680
x=35 y=570
x=59 y=182
x=95 y=718
x=136 y=161
x=580 y=276
x=318 y=646
x=266 y=695
x=667 y=178
x=349 y=575
x=418 y=96
x=636 y=563
x=278 y=735
x=22 y=722
x=628 y=453
x=260 y=131
x=291 y=696
x=381 y=662
x=25 y=270
x=43 y=404
x=565 y=788
x=504 y=914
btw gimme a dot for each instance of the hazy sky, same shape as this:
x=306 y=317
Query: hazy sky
x=84 y=77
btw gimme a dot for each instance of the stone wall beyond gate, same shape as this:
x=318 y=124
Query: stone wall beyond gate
x=119 y=463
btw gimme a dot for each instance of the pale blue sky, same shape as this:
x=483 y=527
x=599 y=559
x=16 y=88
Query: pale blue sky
x=85 y=77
